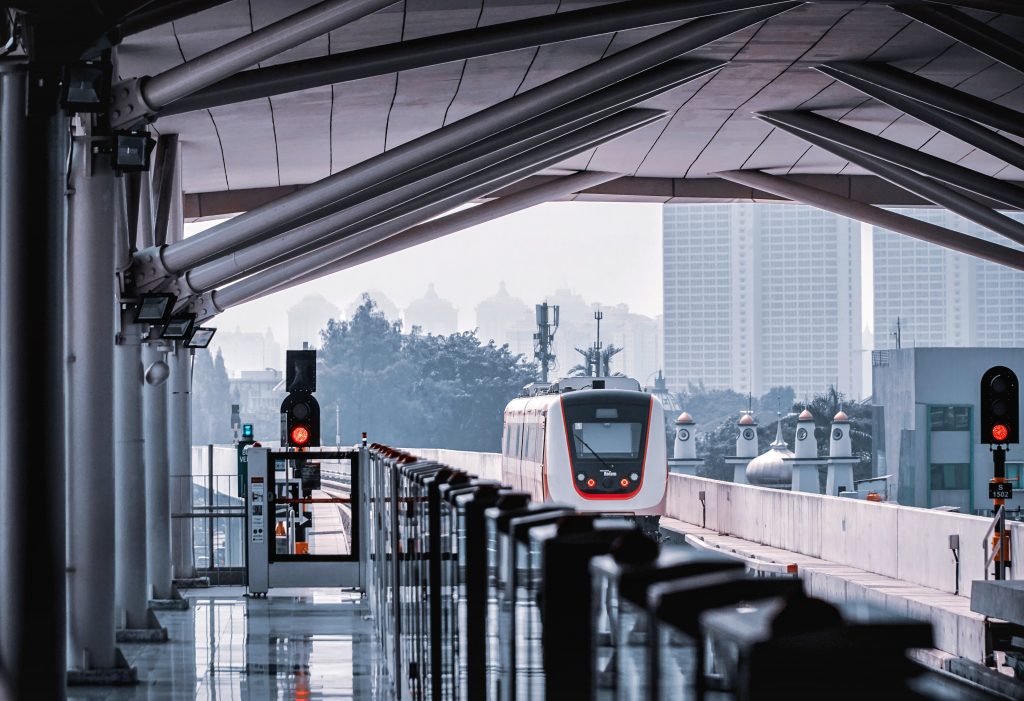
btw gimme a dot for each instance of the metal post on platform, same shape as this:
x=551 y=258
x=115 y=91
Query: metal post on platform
x=32 y=228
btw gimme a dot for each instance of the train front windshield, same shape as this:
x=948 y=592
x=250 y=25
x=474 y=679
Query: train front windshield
x=605 y=439
x=607 y=432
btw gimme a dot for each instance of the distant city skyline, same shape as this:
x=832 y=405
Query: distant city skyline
x=576 y=246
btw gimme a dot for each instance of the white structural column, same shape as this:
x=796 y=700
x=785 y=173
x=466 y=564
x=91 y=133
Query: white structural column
x=158 y=505
x=131 y=592
x=93 y=221
x=179 y=452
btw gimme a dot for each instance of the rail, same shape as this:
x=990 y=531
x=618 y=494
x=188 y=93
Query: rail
x=998 y=521
x=462 y=573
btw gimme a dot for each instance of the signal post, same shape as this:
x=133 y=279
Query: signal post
x=1000 y=426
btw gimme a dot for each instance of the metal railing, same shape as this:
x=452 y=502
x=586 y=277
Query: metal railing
x=464 y=577
x=998 y=523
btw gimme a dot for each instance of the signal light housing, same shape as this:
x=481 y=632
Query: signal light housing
x=300 y=421
x=1000 y=406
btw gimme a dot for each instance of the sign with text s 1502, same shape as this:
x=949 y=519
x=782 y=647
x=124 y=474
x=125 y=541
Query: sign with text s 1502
x=1000 y=490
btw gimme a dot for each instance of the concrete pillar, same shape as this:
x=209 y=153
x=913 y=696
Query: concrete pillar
x=32 y=391
x=179 y=452
x=91 y=504
x=131 y=591
x=158 y=505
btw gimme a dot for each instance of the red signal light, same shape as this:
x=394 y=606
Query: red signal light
x=1000 y=432
x=591 y=482
x=624 y=482
x=300 y=435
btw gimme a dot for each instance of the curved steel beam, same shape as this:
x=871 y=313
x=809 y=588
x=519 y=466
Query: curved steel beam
x=413 y=213
x=423 y=193
x=154 y=265
x=908 y=226
x=968 y=31
x=899 y=154
x=383 y=244
x=935 y=94
x=140 y=98
x=920 y=185
x=437 y=173
x=453 y=46
x=964 y=129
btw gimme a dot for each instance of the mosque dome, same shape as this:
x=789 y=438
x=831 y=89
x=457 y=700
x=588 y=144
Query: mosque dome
x=771 y=468
x=747 y=420
x=841 y=417
x=805 y=415
x=685 y=418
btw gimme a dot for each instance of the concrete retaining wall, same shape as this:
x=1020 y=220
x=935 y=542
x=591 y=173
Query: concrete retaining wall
x=902 y=542
x=485 y=465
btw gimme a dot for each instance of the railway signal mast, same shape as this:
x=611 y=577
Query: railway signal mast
x=1000 y=426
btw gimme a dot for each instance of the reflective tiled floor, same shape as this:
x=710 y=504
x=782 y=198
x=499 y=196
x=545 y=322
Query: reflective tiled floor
x=297 y=644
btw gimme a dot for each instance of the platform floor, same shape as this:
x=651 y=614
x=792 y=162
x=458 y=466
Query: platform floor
x=295 y=644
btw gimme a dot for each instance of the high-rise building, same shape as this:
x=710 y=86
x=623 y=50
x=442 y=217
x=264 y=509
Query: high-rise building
x=503 y=319
x=307 y=318
x=431 y=314
x=248 y=350
x=759 y=296
x=927 y=296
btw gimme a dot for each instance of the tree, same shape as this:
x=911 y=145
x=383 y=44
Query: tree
x=415 y=390
x=590 y=361
x=719 y=442
x=211 y=399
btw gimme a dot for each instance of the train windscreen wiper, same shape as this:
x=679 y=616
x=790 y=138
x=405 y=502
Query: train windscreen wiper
x=594 y=452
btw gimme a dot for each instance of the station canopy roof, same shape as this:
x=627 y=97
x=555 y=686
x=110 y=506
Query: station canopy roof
x=260 y=148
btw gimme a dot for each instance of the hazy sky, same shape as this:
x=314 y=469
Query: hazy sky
x=607 y=252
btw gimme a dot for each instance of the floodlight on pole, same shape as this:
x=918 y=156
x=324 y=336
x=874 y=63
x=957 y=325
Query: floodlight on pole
x=200 y=337
x=155 y=308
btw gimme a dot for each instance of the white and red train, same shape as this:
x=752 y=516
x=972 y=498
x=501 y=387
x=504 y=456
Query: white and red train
x=595 y=449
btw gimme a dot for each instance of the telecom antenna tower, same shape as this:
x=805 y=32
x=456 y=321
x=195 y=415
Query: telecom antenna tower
x=547 y=325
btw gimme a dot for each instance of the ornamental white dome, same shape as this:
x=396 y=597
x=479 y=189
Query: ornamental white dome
x=772 y=469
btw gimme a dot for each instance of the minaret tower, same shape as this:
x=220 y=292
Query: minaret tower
x=684 y=460
x=840 y=457
x=746 y=447
x=806 y=463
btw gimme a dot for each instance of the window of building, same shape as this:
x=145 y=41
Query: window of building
x=1014 y=472
x=950 y=418
x=951 y=475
